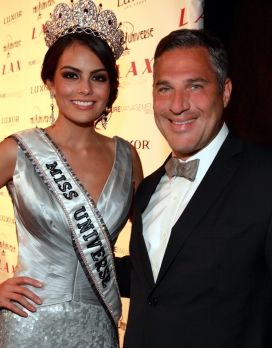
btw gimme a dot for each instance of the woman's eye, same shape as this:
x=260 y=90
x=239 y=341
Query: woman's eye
x=99 y=78
x=70 y=75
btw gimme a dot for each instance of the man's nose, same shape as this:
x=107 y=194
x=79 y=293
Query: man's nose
x=179 y=103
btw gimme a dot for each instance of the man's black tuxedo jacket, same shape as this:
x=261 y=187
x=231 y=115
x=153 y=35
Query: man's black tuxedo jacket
x=213 y=288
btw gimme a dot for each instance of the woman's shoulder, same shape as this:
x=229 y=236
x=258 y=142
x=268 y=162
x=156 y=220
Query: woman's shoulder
x=8 y=158
x=8 y=145
x=25 y=133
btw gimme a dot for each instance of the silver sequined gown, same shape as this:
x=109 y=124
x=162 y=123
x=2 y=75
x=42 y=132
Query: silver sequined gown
x=71 y=315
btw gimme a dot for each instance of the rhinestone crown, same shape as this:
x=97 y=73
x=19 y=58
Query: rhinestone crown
x=84 y=16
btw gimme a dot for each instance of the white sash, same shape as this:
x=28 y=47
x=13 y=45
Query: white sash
x=90 y=236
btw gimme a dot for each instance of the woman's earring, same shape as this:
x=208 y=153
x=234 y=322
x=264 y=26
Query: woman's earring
x=104 y=119
x=52 y=109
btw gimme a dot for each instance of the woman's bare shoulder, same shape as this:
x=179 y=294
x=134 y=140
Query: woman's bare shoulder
x=8 y=148
x=8 y=157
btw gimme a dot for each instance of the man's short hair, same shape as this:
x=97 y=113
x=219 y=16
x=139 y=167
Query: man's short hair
x=193 y=38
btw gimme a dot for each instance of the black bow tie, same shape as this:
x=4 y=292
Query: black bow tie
x=187 y=170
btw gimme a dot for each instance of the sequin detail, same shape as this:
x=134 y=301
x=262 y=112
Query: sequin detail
x=69 y=324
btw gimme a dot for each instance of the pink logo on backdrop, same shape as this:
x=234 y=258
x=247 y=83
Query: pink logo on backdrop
x=11 y=67
x=37 y=32
x=141 y=67
x=184 y=18
x=7 y=268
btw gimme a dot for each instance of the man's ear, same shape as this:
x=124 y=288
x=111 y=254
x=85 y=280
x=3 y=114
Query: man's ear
x=227 y=88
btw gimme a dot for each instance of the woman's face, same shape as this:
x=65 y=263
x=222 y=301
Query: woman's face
x=81 y=85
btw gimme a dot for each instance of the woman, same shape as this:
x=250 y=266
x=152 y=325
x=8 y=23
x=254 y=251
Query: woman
x=72 y=190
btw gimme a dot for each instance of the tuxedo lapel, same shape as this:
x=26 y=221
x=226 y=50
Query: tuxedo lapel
x=217 y=177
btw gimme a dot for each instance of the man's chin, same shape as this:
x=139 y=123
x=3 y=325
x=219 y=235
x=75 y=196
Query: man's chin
x=184 y=153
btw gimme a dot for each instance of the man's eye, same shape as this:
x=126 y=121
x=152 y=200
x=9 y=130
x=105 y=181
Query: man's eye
x=164 y=89
x=196 y=87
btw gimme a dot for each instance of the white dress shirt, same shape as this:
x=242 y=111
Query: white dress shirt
x=169 y=201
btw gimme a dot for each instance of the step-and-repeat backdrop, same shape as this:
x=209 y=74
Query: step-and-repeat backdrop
x=25 y=102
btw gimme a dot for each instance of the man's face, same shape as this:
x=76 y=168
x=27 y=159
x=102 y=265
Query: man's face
x=187 y=102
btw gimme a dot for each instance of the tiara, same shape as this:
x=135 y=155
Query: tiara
x=84 y=16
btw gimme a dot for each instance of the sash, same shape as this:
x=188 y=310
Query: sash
x=90 y=236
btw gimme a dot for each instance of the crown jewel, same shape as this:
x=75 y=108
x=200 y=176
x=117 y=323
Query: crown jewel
x=84 y=16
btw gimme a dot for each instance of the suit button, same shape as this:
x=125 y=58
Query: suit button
x=152 y=302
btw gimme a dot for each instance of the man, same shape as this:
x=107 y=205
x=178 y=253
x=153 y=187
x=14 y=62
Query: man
x=201 y=244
